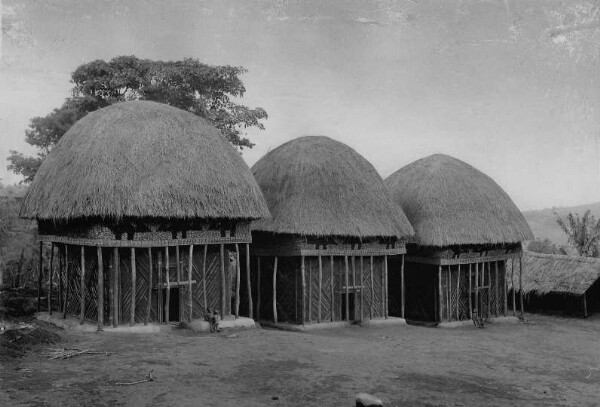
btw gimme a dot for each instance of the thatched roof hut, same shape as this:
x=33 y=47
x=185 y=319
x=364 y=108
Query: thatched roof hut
x=316 y=186
x=449 y=202
x=143 y=159
x=562 y=274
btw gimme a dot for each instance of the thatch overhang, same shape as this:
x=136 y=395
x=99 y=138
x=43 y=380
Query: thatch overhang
x=143 y=159
x=560 y=274
x=451 y=203
x=315 y=186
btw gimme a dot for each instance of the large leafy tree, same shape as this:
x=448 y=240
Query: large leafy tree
x=208 y=91
x=583 y=233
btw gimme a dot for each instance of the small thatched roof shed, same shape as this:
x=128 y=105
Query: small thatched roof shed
x=316 y=186
x=561 y=274
x=449 y=202
x=143 y=159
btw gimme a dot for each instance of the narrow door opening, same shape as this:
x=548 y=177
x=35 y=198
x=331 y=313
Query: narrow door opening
x=173 y=305
x=351 y=299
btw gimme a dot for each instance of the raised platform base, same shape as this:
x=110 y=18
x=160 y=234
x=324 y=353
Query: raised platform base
x=468 y=322
x=72 y=323
x=199 y=325
x=284 y=326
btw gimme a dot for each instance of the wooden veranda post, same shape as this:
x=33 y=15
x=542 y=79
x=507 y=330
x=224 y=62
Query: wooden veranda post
x=331 y=261
x=347 y=288
x=362 y=291
x=204 y=277
x=521 y=283
x=149 y=303
x=168 y=283
x=458 y=295
x=50 y=278
x=82 y=287
x=100 y=288
x=320 y=287
x=275 y=290
x=133 y=288
x=303 y=277
x=237 y=280
x=190 y=292
x=114 y=304
x=477 y=289
x=448 y=293
x=354 y=285
x=39 y=299
x=60 y=278
x=512 y=282
x=470 y=300
x=385 y=287
x=257 y=288
x=497 y=302
x=223 y=281
x=372 y=288
x=249 y=283
x=440 y=299
x=178 y=271
x=489 y=291
x=66 y=299
x=402 y=292
x=505 y=288
x=309 y=289
x=159 y=279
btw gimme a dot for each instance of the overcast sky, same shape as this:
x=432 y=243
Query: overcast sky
x=511 y=87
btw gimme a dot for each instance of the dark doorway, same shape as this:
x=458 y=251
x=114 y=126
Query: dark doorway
x=173 y=305
x=481 y=303
x=351 y=299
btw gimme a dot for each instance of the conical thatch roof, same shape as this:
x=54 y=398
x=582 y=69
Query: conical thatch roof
x=449 y=202
x=316 y=186
x=143 y=159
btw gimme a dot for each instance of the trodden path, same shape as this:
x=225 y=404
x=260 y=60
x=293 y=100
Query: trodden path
x=547 y=361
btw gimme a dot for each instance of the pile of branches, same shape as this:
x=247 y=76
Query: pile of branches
x=65 y=353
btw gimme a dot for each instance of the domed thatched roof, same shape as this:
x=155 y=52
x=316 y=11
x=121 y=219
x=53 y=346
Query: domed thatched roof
x=143 y=159
x=449 y=203
x=316 y=186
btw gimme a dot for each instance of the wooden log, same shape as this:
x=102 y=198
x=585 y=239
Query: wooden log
x=40 y=278
x=521 y=284
x=66 y=281
x=362 y=291
x=497 y=305
x=332 y=265
x=159 y=296
x=82 y=287
x=385 y=287
x=470 y=287
x=223 y=281
x=149 y=303
x=50 y=278
x=133 y=288
x=402 y=291
x=100 y=288
x=249 y=283
x=258 y=288
x=303 y=277
x=204 y=277
x=477 y=290
x=505 y=287
x=275 y=290
x=372 y=288
x=512 y=281
x=347 y=290
x=458 y=295
x=585 y=312
x=168 y=283
x=114 y=304
x=237 y=280
x=320 y=288
x=354 y=286
x=440 y=299
x=190 y=291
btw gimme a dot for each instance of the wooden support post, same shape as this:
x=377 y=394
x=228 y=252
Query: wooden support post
x=249 y=283
x=204 y=277
x=303 y=277
x=237 y=280
x=114 y=304
x=149 y=303
x=497 y=302
x=50 y=278
x=585 y=312
x=179 y=286
x=258 y=288
x=223 y=281
x=372 y=288
x=40 y=278
x=354 y=286
x=309 y=319
x=440 y=299
x=362 y=291
x=275 y=290
x=159 y=296
x=505 y=288
x=477 y=290
x=489 y=290
x=347 y=290
x=133 y=288
x=320 y=288
x=458 y=295
x=168 y=282
x=100 y=288
x=470 y=287
x=118 y=291
x=385 y=286
x=521 y=284
x=332 y=275
x=448 y=293
x=514 y=289
x=402 y=291
x=61 y=264
x=190 y=292
x=66 y=281
x=82 y=287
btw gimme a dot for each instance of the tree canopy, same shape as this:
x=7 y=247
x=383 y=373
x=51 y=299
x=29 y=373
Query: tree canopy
x=583 y=233
x=208 y=91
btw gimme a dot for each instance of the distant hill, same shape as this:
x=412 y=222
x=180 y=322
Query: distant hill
x=543 y=221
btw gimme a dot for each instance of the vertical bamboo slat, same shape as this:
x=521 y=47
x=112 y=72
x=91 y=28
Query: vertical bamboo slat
x=303 y=276
x=237 y=280
x=275 y=291
x=223 y=281
x=100 y=289
x=82 y=287
x=50 y=278
x=149 y=303
x=249 y=283
x=190 y=291
x=168 y=283
x=320 y=288
x=40 y=274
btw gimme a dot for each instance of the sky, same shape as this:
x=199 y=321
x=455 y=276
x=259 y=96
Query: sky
x=510 y=86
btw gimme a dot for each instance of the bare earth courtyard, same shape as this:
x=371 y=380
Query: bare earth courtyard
x=545 y=361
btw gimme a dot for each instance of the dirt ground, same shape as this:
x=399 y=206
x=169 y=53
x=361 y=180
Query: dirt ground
x=545 y=361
